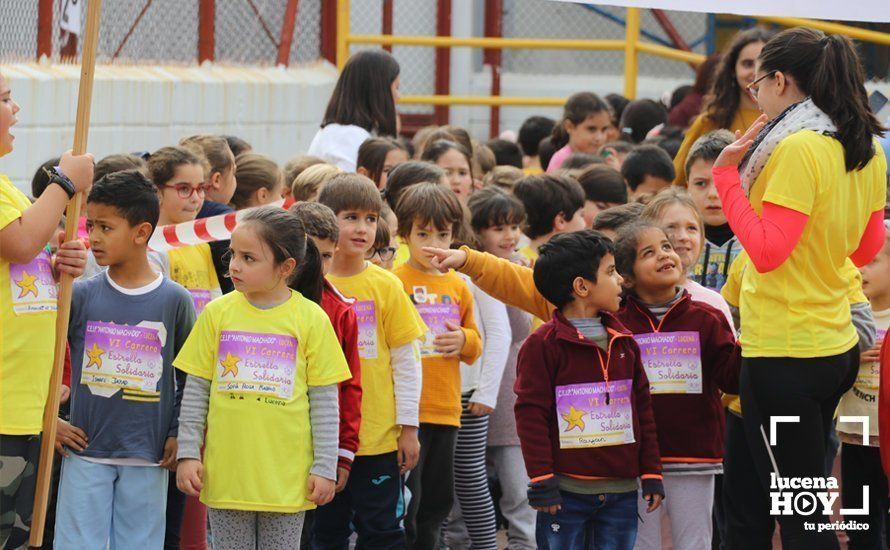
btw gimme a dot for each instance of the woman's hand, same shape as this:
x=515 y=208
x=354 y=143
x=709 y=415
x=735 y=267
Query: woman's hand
x=733 y=153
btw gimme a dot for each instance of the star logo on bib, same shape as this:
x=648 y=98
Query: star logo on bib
x=230 y=365
x=95 y=354
x=575 y=418
x=27 y=284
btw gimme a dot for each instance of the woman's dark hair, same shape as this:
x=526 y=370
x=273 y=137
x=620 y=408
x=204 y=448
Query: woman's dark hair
x=724 y=97
x=827 y=68
x=407 y=174
x=372 y=155
x=363 y=94
x=283 y=233
x=639 y=117
x=577 y=108
x=492 y=206
x=439 y=148
x=704 y=74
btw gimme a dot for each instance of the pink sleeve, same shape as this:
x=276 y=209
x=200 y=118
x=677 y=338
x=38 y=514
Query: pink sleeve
x=768 y=239
x=872 y=240
x=558 y=158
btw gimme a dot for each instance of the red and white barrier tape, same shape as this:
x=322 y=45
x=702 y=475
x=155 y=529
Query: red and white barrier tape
x=205 y=230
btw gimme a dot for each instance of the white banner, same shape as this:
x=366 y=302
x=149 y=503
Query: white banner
x=72 y=16
x=877 y=11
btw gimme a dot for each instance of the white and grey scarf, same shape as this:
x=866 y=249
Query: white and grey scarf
x=800 y=116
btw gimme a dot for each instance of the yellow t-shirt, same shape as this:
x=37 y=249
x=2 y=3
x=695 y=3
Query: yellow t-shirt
x=799 y=309
x=703 y=124
x=532 y=256
x=192 y=267
x=386 y=320
x=27 y=328
x=438 y=298
x=260 y=363
x=732 y=289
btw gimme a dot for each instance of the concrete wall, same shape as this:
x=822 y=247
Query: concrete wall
x=139 y=108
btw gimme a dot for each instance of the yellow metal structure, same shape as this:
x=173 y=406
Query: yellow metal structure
x=631 y=45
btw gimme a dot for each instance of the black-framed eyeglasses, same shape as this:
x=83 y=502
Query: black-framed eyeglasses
x=753 y=87
x=385 y=253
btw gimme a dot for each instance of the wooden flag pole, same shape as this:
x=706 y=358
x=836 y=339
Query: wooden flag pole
x=72 y=215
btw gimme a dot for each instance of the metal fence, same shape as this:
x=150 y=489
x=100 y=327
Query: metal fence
x=167 y=31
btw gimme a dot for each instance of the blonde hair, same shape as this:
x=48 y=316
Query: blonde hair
x=295 y=166
x=655 y=208
x=215 y=149
x=311 y=180
x=254 y=172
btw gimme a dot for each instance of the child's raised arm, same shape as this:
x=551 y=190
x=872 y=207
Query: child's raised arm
x=502 y=279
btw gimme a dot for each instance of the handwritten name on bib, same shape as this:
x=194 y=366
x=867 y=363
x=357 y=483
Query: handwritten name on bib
x=672 y=361
x=32 y=286
x=366 y=312
x=122 y=356
x=586 y=420
x=256 y=363
x=869 y=375
x=435 y=316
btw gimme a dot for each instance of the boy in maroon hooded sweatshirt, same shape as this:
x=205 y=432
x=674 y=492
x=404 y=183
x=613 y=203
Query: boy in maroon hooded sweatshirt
x=583 y=409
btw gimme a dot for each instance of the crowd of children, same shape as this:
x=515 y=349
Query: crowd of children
x=432 y=340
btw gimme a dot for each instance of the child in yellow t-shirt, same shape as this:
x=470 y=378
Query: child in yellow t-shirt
x=179 y=176
x=263 y=365
x=429 y=214
x=389 y=328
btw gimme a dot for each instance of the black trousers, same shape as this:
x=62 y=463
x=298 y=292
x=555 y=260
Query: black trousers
x=432 y=486
x=861 y=467
x=811 y=390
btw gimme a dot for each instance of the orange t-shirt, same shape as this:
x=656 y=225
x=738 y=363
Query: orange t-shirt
x=440 y=299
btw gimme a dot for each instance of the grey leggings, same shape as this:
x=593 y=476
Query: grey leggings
x=237 y=530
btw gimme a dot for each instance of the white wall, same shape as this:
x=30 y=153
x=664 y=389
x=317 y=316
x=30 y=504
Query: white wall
x=139 y=108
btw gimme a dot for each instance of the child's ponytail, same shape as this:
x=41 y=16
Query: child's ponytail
x=309 y=280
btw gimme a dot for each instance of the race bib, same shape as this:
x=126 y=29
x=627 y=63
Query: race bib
x=366 y=312
x=672 y=361
x=31 y=285
x=435 y=316
x=262 y=364
x=201 y=297
x=121 y=356
x=869 y=375
x=585 y=418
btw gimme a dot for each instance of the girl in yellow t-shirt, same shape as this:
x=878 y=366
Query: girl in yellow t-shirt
x=803 y=197
x=28 y=318
x=178 y=174
x=263 y=365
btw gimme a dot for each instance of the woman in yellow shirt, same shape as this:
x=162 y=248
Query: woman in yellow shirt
x=802 y=197
x=727 y=105
x=28 y=319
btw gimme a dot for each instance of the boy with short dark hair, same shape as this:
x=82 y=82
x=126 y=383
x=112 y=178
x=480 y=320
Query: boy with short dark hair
x=127 y=325
x=320 y=224
x=388 y=329
x=506 y=153
x=533 y=130
x=429 y=215
x=647 y=170
x=553 y=204
x=583 y=408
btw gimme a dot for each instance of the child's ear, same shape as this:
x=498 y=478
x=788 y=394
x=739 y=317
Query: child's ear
x=287 y=267
x=568 y=125
x=215 y=179
x=559 y=223
x=143 y=232
x=627 y=281
x=261 y=195
x=580 y=287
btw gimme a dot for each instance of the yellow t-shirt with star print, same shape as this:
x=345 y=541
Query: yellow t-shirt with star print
x=27 y=328
x=260 y=363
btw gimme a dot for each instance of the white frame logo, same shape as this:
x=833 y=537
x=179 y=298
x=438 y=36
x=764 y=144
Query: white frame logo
x=809 y=496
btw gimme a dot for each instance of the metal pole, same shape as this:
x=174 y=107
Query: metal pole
x=631 y=38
